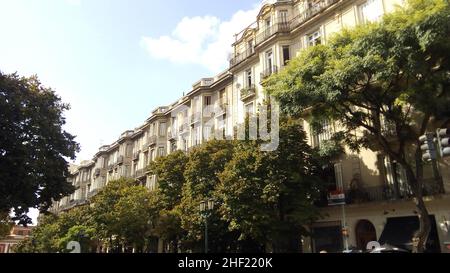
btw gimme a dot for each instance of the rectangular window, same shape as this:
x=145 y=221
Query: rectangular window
x=283 y=16
x=161 y=151
x=249 y=78
x=208 y=100
x=325 y=132
x=269 y=60
x=173 y=146
x=314 y=38
x=249 y=109
x=371 y=11
x=286 y=55
x=397 y=183
x=185 y=145
x=162 y=129
x=250 y=46
x=207 y=132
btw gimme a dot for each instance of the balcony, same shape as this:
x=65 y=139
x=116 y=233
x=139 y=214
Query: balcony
x=139 y=173
x=241 y=56
x=205 y=82
x=382 y=193
x=171 y=134
x=268 y=72
x=126 y=134
x=222 y=108
x=316 y=8
x=159 y=110
x=265 y=34
x=136 y=155
x=120 y=160
x=152 y=140
x=104 y=148
x=184 y=128
x=248 y=92
x=196 y=117
x=92 y=193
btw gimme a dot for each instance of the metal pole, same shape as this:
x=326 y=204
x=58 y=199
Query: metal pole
x=344 y=226
x=206 y=234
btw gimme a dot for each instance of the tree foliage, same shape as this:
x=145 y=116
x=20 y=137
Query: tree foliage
x=121 y=213
x=33 y=146
x=382 y=81
x=268 y=196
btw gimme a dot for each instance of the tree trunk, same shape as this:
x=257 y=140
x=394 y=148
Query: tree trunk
x=420 y=238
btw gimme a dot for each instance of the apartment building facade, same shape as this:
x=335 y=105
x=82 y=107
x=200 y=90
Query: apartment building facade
x=214 y=106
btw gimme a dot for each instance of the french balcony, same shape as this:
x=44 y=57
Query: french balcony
x=248 y=92
x=268 y=72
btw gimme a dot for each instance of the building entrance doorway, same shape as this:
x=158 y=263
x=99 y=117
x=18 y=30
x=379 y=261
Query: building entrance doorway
x=365 y=233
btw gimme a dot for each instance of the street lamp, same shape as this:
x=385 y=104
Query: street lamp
x=206 y=208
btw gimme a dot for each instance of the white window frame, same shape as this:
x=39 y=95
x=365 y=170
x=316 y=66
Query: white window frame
x=311 y=38
x=366 y=6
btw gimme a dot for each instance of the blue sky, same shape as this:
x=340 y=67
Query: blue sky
x=115 y=61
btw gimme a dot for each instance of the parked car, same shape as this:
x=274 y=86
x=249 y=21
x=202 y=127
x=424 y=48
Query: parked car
x=388 y=249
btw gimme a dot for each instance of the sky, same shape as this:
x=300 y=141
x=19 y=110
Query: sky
x=114 y=61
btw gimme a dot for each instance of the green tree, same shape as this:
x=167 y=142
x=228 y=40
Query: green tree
x=390 y=74
x=5 y=225
x=121 y=213
x=44 y=237
x=54 y=232
x=33 y=146
x=84 y=235
x=268 y=196
x=205 y=164
x=167 y=197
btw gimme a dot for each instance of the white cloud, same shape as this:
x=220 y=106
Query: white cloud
x=203 y=40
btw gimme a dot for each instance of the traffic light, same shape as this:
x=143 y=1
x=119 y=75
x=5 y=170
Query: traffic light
x=443 y=137
x=427 y=146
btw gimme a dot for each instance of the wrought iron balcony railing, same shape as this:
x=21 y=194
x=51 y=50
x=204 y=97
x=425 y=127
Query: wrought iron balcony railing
x=248 y=92
x=269 y=71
